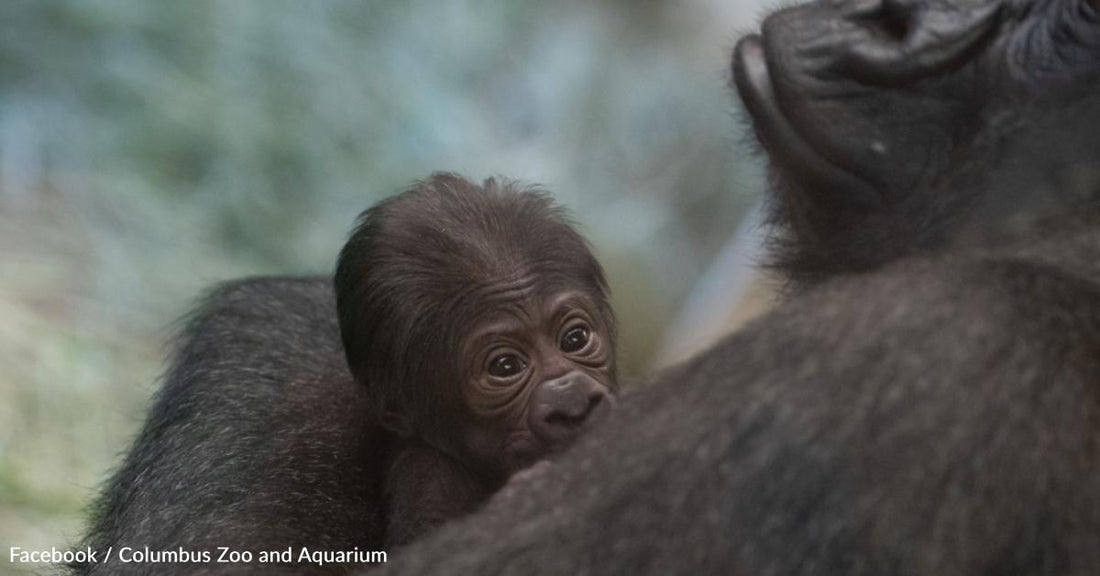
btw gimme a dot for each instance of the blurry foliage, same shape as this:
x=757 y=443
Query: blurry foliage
x=150 y=149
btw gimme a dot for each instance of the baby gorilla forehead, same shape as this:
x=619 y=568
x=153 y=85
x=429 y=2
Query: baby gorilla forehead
x=525 y=312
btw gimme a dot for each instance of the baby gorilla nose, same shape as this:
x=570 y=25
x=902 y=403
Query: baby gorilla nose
x=563 y=405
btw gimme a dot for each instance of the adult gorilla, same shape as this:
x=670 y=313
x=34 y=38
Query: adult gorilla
x=929 y=403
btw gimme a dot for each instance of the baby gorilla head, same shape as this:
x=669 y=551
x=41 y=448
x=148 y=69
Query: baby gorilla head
x=478 y=320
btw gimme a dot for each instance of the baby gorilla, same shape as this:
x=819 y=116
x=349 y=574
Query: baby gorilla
x=478 y=321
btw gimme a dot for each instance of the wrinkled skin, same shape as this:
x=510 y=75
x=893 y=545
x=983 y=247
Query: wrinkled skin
x=479 y=322
x=866 y=105
x=477 y=325
x=538 y=369
x=927 y=402
x=535 y=370
x=928 y=407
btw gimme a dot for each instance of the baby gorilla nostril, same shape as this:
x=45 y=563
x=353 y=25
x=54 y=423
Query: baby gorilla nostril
x=564 y=420
x=573 y=418
x=562 y=406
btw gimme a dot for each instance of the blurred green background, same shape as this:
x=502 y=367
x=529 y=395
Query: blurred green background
x=151 y=149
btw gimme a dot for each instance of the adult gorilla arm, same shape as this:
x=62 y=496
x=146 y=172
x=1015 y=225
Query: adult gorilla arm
x=256 y=441
x=953 y=431
x=928 y=404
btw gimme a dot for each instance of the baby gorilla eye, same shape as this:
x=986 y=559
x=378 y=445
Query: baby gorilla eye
x=506 y=365
x=575 y=339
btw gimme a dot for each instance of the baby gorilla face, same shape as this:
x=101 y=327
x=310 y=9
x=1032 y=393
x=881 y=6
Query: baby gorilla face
x=478 y=320
x=539 y=370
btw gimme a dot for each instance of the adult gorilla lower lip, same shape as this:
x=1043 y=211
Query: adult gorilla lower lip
x=754 y=85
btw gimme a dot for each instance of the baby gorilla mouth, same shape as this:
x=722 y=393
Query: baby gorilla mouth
x=779 y=136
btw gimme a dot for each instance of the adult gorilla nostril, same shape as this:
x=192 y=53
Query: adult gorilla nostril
x=901 y=41
x=894 y=18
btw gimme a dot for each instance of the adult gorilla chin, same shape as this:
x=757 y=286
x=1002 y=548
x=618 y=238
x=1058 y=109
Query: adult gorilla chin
x=929 y=401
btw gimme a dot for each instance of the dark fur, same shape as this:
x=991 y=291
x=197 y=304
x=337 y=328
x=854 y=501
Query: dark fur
x=260 y=438
x=928 y=403
x=409 y=287
x=940 y=416
x=930 y=406
x=804 y=446
x=404 y=272
x=256 y=440
x=943 y=129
